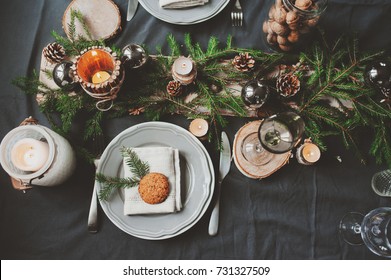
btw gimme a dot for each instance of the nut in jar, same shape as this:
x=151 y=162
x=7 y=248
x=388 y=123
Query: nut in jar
x=288 y=21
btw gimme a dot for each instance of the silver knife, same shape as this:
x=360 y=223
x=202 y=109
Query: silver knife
x=225 y=164
x=132 y=8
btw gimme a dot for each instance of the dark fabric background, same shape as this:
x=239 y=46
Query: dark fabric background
x=293 y=214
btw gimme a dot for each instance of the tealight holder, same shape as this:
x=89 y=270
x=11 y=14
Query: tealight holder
x=100 y=73
x=59 y=165
x=308 y=153
x=184 y=70
x=199 y=128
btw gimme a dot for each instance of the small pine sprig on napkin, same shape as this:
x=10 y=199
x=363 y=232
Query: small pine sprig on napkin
x=138 y=167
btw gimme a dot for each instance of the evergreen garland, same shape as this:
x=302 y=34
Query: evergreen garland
x=332 y=71
x=337 y=71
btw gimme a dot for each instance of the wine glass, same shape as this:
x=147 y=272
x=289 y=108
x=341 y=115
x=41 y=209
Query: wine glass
x=280 y=133
x=276 y=134
x=373 y=230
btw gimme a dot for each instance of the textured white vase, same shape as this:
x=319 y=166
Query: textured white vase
x=59 y=166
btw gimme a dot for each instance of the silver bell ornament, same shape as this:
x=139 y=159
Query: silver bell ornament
x=378 y=75
x=134 y=56
x=62 y=74
x=255 y=93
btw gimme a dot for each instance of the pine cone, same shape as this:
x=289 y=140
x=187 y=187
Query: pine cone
x=288 y=85
x=244 y=62
x=174 y=88
x=54 y=52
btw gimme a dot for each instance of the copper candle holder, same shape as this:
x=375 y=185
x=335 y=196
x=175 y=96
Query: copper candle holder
x=100 y=74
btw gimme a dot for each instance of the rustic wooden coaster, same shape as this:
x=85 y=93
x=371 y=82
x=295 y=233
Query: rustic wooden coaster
x=248 y=169
x=102 y=18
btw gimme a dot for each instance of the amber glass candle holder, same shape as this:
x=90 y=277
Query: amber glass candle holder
x=100 y=73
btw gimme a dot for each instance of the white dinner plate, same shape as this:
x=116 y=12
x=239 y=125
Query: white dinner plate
x=197 y=180
x=184 y=16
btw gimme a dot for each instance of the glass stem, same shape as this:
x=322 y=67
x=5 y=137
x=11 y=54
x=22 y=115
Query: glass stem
x=357 y=228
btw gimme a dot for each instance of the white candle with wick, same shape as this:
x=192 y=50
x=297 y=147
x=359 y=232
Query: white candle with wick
x=29 y=154
x=308 y=153
x=199 y=127
x=100 y=77
x=183 y=66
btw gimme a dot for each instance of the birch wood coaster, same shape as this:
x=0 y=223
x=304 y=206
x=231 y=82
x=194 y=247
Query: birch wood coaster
x=102 y=18
x=246 y=168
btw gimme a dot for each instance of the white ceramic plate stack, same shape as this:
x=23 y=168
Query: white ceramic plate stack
x=197 y=180
x=184 y=16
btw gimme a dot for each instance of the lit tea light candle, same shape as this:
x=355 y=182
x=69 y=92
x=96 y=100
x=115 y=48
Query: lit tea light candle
x=29 y=154
x=308 y=153
x=100 y=77
x=183 y=66
x=199 y=128
x=311 y=153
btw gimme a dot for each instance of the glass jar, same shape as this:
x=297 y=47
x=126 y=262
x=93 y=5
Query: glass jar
x=288 y=22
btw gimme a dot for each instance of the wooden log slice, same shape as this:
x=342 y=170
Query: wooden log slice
x=102 y=18
x=246 y=168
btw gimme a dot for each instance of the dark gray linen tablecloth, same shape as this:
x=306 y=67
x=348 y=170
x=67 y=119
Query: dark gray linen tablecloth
x=293 y=214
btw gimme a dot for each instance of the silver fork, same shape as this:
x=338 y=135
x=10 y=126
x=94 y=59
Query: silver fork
x=97 y=150
x=237 y=14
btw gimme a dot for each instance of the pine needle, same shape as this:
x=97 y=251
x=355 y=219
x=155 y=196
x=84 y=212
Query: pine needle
x=138 y=167
x=112 y=183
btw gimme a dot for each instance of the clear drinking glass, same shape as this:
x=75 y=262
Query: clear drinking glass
x=381 y=183
x=276 y=135
x=279 y=133
x=373 y=230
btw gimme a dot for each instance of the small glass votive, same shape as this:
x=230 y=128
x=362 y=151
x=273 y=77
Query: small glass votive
x=100 y=73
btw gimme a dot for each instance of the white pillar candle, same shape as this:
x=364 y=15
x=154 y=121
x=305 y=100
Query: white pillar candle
x=29 y=154
x=183 y=66
x=199 y=127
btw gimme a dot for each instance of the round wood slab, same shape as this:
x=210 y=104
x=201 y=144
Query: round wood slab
x=101 y=16
x=248 y=169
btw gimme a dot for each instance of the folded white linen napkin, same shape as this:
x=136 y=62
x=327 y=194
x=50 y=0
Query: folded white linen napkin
x=163 y=160
x=179 y=4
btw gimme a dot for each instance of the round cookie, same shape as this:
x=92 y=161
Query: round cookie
x=154 y=188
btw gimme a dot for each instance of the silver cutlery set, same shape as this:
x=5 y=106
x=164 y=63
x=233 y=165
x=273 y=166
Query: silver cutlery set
x=225 y=154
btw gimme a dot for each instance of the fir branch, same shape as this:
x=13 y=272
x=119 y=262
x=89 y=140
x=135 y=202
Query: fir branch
x=93 y=126
x=212 y=46
x=138 y=167
x=31 y=85
x=189 y=45
x=75 y=14
x=174 y=46
x=68 y=106
x=112 y=183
